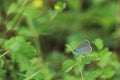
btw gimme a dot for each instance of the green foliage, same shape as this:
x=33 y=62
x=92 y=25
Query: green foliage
x=42 y=74
x=19 y=49
x=102 y=59
x=68 y=65
x=92 y=75
x=99 y=44
x=33 y=34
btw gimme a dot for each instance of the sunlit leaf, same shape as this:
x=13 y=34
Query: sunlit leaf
x=92 y=75
x=98 y=43
x=108 y=73
x=68 y=65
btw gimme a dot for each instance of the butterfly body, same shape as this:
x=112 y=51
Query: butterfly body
x=83 y=48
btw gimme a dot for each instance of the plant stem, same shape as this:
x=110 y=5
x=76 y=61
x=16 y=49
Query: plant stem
x=30 y=77
x=19 y=16
x=4 y=54
x=117 y=27
x=35 y=36
x=82 y=75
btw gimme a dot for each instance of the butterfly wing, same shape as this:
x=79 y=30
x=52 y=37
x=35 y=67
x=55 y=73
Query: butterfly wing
x=83 y=48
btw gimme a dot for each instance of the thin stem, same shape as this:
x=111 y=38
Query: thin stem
x=82 y=75
x=35 y=35
x=18 y=6
x=51 y=19
x=118 y=15
x=81 y=69
x=33 y=75
x=4 y=54
x=18 y=17
x=117 y=28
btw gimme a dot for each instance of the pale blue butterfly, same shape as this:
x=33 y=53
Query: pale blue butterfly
x=83 y=48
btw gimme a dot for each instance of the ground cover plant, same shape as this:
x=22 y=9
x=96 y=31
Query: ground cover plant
x=44 y=40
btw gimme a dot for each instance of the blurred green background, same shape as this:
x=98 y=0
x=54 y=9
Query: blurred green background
x=44 y=27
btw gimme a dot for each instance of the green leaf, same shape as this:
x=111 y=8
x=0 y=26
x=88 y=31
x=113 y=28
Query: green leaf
x=20 y=50
x=69 y=48
x=88 y=59
x=11 y=8
x=92 y=75
x=98 y=43
x=105 y=58
x=39 y=73
x=108 y=73
x=104 y=52
x=68 y=65
x=82 y=60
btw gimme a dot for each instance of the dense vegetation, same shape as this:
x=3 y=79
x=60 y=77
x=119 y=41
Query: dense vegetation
x=37 y=39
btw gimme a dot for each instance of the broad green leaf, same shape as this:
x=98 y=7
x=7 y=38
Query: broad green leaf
x=82 y=60
x=92 y=75
x=69 y=48
x=11 y=8
x=104 y=53
x=20 y=50
x=99 y=44
x=68 y=65
x=108 y=73
x=88 y=59
x=105 y=58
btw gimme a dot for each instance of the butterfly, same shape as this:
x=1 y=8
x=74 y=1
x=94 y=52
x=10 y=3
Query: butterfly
x=83 y=48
